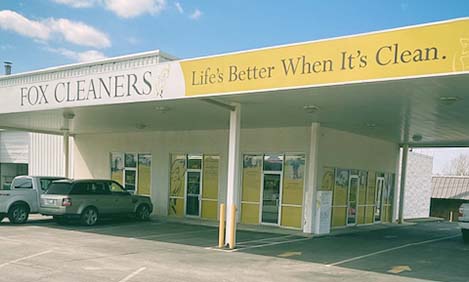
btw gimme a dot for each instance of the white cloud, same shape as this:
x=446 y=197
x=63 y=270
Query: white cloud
x=134 y=8
x=86 y=56
x=196 y=14
x=13 y=21
x=179 y=7
x=77 y=3
x=74 y=32
x=79 y=33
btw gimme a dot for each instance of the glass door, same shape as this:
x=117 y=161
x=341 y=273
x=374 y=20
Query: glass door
x=193 y=193
x=271 y=198
x=193 y=185
x=352 y=200
x=378 y=198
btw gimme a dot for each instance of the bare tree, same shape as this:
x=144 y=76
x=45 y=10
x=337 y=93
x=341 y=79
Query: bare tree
x=459 y=166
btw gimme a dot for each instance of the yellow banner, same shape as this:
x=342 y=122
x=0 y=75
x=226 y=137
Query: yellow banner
x=421 y=50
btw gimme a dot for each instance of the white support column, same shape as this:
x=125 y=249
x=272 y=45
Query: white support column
x=405 y=151
x=66 y=145
x=68 y=117
x=233 y=172
x=310 y=191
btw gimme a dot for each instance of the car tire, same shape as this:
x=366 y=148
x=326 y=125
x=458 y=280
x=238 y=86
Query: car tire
x=18 y=213
x=143 y=213
x=89 y=216
x=465 y=235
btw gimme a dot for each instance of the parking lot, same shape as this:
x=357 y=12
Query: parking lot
x=163 y=251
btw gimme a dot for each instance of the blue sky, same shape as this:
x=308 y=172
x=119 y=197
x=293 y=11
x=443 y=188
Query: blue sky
x=36 y=34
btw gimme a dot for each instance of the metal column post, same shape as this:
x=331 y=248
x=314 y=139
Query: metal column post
x=405 y=150
x=233 y=175
x=310 y=195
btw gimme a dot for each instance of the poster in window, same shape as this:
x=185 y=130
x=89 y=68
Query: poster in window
x=130 y=179
x=327 y=182
x=117 y=167
x=293 y=180
x=177 y=184
x=130 y=160
x=144 y=174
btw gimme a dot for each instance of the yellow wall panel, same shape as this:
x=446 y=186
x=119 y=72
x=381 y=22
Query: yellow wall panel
x=249 y=213
x=177 y=175
x=209 y=209
x=252 y=184
x=371 y=188
x=118 y=176
x=338 y=216
x=144 y=178
x=361 y=215
x=210 y=177
x=176 y=207
x=370 y=212
x=291 y=217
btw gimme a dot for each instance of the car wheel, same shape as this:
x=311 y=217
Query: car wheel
x=143 y=213
x=89 y=217
x=18 y=214
x=465 y=235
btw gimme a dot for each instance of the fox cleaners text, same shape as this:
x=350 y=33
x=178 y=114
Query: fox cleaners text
x=110 y=87
x=387 y=55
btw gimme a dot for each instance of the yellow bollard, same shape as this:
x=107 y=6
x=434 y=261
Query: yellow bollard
x=231 y=243
x=221 y=230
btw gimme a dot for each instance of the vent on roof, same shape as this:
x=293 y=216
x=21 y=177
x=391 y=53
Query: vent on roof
x=7 y=67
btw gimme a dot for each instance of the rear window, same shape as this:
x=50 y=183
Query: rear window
x=59 y=189
x=45 y=182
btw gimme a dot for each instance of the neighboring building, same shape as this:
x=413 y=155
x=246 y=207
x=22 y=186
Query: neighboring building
x=23 y=153
x=448 y=193
x=14 y=156
x=418 y=186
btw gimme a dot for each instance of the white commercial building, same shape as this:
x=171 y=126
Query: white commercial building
x=304 y=136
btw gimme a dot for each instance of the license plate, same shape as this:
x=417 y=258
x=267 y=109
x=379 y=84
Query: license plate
x=50 y=202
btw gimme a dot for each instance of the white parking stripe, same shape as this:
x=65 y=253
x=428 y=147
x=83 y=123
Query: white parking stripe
x=173 y=233
x=391 y=249
x=25 y=258
x=271 y=244
x=133 y=274
x=264 y=239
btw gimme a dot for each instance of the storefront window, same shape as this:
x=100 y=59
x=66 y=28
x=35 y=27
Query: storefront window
x=272 y=189
x=194 y=185
x=273 y=162
x=132 y=171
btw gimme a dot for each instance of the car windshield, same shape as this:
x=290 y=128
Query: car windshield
x=59 y=189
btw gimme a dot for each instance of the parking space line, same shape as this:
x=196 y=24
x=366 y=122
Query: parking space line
x=271 y=244
x=173 y=233
x=264 y=239
x=25 y=258
x=133 y=274
x=392 y=249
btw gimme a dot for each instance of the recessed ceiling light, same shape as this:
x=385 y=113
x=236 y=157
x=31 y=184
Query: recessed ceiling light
x=310 y=109
x=140 y=126
x=449 y=99
x=417 y=137
x=162 y=109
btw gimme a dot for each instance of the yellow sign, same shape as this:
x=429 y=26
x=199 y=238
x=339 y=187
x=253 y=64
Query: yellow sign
x=421 y=50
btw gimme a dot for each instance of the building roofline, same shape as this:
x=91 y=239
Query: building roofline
x=92 y=63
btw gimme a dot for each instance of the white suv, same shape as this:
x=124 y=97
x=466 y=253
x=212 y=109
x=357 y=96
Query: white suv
x=464 y=221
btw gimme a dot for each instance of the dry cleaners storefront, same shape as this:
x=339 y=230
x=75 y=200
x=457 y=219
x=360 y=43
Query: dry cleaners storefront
x=304 y=136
